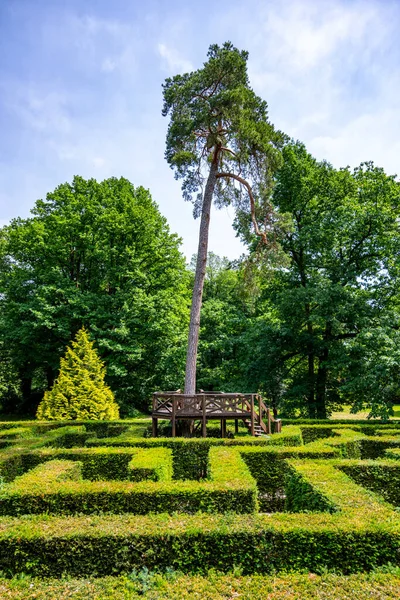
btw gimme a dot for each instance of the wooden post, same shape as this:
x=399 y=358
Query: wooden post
x=260 y=410
x=252 y=414
x=155 y=428
x=236 y=425
x=223 y=426
x=278 y=426
x=203 y=407
x=173 y=417
x=269 y=420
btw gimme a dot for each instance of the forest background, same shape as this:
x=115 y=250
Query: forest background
x=311 y=321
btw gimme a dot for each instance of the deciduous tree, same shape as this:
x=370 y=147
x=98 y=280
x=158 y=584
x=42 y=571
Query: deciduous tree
x=322 y=318
x=100 y=255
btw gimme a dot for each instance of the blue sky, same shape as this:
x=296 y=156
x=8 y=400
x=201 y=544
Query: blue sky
x=80 y=89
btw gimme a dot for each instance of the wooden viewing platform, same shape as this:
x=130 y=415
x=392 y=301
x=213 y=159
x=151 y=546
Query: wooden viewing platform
x=204 y=406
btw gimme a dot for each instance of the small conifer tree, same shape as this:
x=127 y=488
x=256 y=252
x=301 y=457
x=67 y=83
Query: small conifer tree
x=79 y=392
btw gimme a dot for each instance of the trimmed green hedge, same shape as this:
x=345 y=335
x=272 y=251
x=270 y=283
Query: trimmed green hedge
x=48 y=473
x=341 y=524
x=190 y=455
x=151 y=464
x=68 y=437
x=358 y=422
x=362 y=535
x=268 y=466
x=98 y=464
x=231 y=488
x=13 y=433
x=393 y=453
x=373 y=448
x=381 y=477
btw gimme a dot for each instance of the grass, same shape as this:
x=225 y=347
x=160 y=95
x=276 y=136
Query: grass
x=172 y=586
x=346 y=414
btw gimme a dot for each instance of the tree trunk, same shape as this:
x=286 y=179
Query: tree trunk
x=49 y=377
x=322 y=378
x=26 y=387
x=311 y=374
x=322 y=375
x=194 y=327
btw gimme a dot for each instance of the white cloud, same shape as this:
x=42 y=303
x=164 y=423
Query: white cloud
x=108 y=65
x=41 y=109
x=305 y=34
x=106 y=44
x=329 y=72
x=369 y=137
x=173 y=61
x=98 y=161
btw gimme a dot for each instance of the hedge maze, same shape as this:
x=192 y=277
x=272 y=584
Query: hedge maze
x=99 y=499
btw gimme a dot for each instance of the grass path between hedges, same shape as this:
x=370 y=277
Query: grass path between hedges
x=346 y=414
x=376 y=586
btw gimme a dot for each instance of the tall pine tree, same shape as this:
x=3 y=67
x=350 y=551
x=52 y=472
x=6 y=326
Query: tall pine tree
x=79 y=391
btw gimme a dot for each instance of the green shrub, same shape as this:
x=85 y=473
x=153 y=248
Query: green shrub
x=79 y=391
x=230 y=489
x=13 y=433
x=376 y=447
x=190 y=455
x=153 y=464
x=342 y=525
x=381 y=477
x=68 y=437
x=393 y=453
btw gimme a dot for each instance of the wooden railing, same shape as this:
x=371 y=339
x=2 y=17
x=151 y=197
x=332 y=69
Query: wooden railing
x=213 y=405
x=191 y=406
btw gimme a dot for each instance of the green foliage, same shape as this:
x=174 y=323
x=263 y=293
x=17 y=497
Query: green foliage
x=380 y=476
x=67 y=511
x=326 y=326
x=224 y=319
x=219 y=131
x=79 y=391
x=382 y=584
x=97 y=254
x=214 y=113
x=9 y=381
x=48 y=488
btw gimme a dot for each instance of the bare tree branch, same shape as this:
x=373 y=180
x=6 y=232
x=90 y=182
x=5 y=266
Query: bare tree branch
x=246 y=184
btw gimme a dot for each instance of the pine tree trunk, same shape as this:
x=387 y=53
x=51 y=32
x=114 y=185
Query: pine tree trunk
x=194 y=327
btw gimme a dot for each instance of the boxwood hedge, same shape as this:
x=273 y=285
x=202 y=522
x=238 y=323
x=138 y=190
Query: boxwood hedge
x=192 y=504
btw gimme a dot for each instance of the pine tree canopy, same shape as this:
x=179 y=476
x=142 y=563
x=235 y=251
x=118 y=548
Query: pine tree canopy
x=79 y=392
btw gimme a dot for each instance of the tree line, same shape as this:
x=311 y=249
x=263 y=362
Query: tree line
x=312 y=323
x=309 y=315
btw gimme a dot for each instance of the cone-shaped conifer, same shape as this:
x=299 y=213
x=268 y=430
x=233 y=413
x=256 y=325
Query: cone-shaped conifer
x=79 y=392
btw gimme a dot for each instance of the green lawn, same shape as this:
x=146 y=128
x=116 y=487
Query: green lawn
x=375 y=586
x=346 y=414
